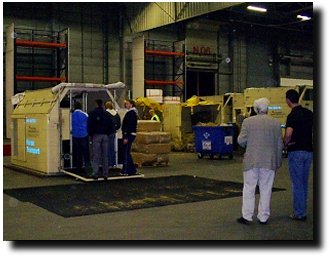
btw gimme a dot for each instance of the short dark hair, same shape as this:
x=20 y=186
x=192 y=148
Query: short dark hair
x=77 y=105
x=292 y=95
x=99 y=102
x=132 y=102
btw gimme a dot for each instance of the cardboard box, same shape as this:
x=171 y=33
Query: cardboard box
x=151 y=148
x=142 y=158
x=171 y=99
x=155 y=94
x=148 y=126
x=147 y=159
x=152 y=137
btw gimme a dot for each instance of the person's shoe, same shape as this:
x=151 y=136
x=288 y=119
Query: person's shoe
x=123 y=174
x=105 y=178
x=262 y=222
x=94 y=176
x=88 y=170
x=242 y=220
x=294 y=217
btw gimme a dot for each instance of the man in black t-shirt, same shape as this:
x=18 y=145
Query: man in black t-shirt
x=299 y=142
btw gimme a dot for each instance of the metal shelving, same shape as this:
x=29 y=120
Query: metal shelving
x=40 y=58
x=165 y=66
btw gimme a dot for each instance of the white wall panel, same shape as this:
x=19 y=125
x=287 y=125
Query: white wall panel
x=138 y=67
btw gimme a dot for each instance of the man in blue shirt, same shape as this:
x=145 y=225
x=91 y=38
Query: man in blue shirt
x=80 y=137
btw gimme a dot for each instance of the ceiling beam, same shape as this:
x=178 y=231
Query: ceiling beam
x=146 y=16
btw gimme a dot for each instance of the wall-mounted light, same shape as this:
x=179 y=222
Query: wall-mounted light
x=303 y=17
x=257 y=9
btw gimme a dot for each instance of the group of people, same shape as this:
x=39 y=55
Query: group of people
x=99 y=127
x=261 y=135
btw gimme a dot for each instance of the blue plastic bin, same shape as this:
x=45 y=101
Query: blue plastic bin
x=214 y=140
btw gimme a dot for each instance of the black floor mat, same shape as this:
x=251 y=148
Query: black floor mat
x=101 y=197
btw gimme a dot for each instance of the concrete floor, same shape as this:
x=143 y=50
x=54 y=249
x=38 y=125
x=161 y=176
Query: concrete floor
x=207 y=220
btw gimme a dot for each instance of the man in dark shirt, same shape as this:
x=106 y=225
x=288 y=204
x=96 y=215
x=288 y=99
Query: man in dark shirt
x=129 y=128
x=99 y=128
x=299 y=142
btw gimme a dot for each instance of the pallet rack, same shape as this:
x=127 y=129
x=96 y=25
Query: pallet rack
x=165 y=66
x=34 y=59
x=40 y=58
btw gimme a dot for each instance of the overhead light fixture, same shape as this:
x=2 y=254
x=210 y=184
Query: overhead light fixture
x=303 y=17
x=257 y=9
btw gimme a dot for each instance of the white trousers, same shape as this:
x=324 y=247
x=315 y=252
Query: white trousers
x=264 y=178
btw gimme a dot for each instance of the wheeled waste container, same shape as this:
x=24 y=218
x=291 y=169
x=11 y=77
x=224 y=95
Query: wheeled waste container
x=214 y=140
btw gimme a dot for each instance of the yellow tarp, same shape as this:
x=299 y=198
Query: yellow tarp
x=148 y=102
x=196 y=101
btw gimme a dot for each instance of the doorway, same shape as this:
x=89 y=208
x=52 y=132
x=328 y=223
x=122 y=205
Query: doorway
x=200 y=83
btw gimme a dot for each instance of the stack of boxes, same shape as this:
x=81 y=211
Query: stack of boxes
x=151 y=146
x=171 y=100
x=155 y=94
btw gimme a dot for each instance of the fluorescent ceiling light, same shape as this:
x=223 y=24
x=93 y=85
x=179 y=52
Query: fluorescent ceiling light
x=303 y=17
x=258 y=9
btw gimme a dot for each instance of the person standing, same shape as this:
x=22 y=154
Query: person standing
x=116 y=124
x=261 y=135
x=129 y=129
x=239 y=120
x=154 y=116
x=99 y=127
x=80 y=138
x=298 y=139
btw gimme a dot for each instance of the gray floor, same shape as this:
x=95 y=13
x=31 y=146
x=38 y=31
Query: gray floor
x=207 y=220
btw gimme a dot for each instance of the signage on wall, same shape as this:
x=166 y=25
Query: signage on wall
x=204 y=50
x=30 y=147
x=32 y=132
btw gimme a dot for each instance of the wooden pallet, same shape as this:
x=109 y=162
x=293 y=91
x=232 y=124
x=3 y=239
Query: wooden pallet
x=89 y=179
x=151 y=164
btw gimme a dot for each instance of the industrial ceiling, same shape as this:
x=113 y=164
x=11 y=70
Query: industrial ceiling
x=143 y=16
x=279 y=15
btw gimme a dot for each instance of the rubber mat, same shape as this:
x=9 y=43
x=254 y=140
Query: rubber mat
x=119 y=195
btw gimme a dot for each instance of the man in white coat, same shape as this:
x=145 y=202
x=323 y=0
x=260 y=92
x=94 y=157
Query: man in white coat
x=262 y=137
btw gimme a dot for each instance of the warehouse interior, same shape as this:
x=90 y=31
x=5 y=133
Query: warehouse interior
x=195 y=63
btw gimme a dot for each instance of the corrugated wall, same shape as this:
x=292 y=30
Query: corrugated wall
x=240 y=64
x=146 y=16
x=225 y=70
x=86 y=39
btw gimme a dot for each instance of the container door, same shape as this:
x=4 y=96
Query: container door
x=65 y=137
x=19 y=138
